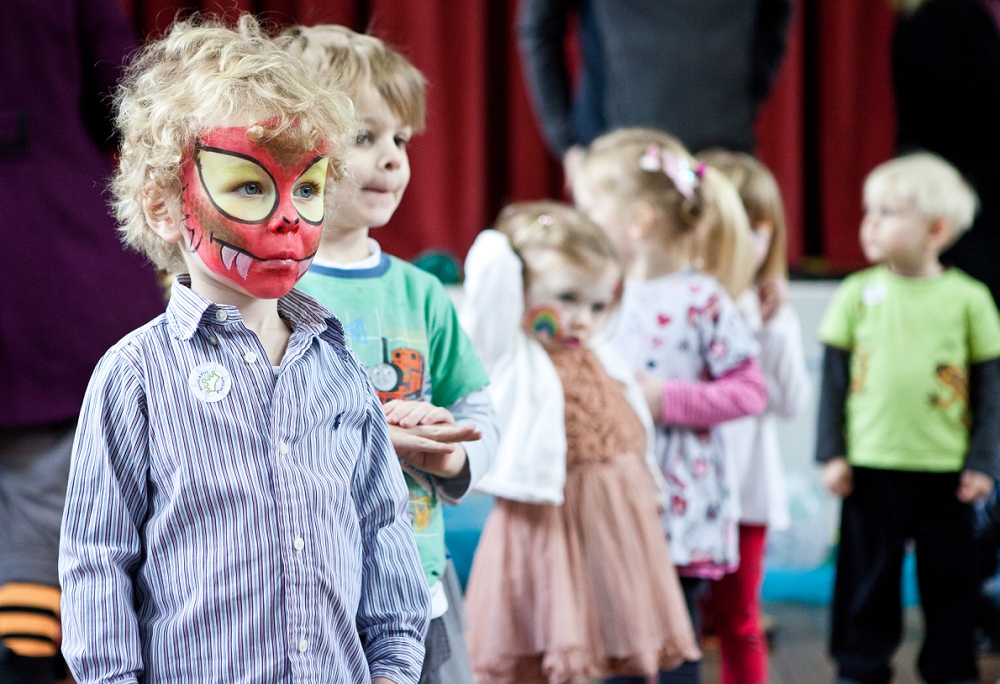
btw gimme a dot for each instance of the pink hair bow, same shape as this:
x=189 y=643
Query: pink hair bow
x=676 y=168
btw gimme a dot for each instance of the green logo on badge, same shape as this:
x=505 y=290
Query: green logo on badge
x=210 y=382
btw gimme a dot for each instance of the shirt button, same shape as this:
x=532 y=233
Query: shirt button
x=221 y=315
x=299 y=543
x=303 y=645
x=282 y=448
x=250 y=357
x=213 y=340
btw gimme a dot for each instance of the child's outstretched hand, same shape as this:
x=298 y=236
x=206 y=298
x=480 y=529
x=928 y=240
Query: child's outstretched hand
x=652 y=390
x=426 y=436
x=973 y=486
x=838 y=477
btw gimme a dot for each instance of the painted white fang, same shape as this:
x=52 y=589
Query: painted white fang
x=228 y=255
x=304 y=266
x=243 y=262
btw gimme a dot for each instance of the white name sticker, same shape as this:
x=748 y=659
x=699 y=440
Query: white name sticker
x=874 y=293
x=210 y=382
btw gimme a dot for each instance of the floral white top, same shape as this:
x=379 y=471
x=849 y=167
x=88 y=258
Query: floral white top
x=685 y=327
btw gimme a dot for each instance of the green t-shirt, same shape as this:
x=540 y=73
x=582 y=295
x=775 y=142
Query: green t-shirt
x=402 y=325
x=912 y=341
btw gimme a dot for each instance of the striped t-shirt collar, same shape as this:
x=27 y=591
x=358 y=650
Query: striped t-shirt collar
x=187 y=310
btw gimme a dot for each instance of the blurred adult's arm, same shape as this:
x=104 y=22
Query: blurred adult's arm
x=768 y=47
x=106 y=39
x=541 y=28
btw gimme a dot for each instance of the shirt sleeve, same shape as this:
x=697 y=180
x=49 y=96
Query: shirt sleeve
x=837 y=328
x=106 y=38
x=541 y=29
x=455 y=368
x=476 y=408
x=783 y=361
x=984 y=327
x=768 y=46
x=737 y=393
x=393 y=612
x=101 y=547
x=984 y=399
x=831 y=426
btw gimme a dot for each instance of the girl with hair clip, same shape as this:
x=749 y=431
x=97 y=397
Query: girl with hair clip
x=572 y=578
x=683 y=337
x=752 y=443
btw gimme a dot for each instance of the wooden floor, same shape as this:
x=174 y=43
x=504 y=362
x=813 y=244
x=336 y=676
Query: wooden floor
x=799 y=656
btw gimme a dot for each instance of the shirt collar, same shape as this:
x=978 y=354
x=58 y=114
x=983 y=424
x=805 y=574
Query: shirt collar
x=187 y=310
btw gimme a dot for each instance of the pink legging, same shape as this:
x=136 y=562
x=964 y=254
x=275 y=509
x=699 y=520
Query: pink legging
x=734 y=606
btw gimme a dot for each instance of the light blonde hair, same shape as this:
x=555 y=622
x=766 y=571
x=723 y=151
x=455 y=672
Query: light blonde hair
x=549 y=226
x=202 y=74
x=613 y=165
x=933 y=186
x=343 y=59
x=761 y=199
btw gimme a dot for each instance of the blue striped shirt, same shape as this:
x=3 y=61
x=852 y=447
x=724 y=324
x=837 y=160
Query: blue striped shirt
x=260 y=537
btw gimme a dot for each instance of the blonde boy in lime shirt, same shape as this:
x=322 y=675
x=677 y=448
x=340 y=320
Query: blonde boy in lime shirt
x=398 y=319
x=909 y=424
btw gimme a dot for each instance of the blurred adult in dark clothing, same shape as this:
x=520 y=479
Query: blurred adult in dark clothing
x=946 y=73
x=698 y=70
x=67 y=290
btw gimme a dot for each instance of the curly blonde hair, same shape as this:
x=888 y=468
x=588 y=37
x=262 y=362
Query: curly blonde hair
x=550 y=226
x=203 y=74
x=343 y=59
x=714 y=208
x=761 y=199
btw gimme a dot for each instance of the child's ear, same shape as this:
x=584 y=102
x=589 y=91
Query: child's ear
x=163 y=215
x=643 y=221
x=940 y=233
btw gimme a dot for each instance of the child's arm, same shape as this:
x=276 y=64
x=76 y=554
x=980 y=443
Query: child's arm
x=783 y=362
x=831 y=436
x=736 y=393
x=984 y=437
x=455 y=455
x=393 y=609
x=101 y=547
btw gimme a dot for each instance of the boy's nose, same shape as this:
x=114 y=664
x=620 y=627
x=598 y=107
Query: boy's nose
x=284 y=224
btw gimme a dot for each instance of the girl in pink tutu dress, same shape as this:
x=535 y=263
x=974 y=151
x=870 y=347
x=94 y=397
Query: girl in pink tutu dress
x=572 y=578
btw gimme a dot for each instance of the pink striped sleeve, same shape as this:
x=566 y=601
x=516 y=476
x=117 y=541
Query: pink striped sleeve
x=739 y=392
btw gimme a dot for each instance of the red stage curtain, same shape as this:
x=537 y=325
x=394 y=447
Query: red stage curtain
x=483 y=148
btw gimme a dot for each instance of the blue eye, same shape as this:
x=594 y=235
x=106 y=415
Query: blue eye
x=401 y=141
x=306 y=191
x=249 y=189
x=362 y=138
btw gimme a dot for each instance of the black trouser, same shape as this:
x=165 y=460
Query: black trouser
x=885 y=510
x=689 y=672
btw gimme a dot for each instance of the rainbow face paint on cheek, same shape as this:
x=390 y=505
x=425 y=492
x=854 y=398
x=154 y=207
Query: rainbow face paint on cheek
x=544 y=321
x=254 y=211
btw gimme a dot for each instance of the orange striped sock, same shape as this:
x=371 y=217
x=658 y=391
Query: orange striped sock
x=29 y=619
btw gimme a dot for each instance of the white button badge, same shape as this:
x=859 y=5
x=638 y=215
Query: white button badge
x=210 y=382
x=303 y=646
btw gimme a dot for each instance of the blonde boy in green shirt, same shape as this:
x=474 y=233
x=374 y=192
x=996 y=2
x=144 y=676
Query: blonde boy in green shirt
x=909 y=424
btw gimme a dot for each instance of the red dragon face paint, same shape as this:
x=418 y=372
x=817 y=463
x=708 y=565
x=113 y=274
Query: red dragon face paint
x=254 y=212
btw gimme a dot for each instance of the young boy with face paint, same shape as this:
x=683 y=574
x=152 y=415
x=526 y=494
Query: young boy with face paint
x=234 y=511
x=398 y=319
